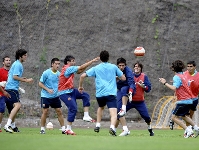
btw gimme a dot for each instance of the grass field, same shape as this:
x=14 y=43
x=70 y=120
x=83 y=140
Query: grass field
x=87 y=139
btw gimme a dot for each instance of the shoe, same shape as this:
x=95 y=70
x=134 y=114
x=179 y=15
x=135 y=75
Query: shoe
x=124 y=133
x=122 y=113
x=88 y=119
x=97 y=129
x=8 y=129
x=112 y=132
x=151 y=132
x=42 y=132
x=188 y=134
x=171 y=124
x=70 y=132
x=15 y=129
x=196 y=132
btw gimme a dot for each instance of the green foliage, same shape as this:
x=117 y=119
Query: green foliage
x=156 y=34
x=31 y=139
x=43 y=58
x=155 y=19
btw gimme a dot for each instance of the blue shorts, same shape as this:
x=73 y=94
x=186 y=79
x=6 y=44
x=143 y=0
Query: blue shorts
x=110 y=101
x=194 y=105
x=2 y=104
x=181 y=110
x=50 y=102
x=14 y=99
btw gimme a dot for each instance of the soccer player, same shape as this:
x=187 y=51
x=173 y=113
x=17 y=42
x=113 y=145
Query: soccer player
x=3 y=78
x=142 y=85
x=106 y=88
x=125 y=89
x=14 y=78
x=49 y=97
x=184 y=98
x=68 y=94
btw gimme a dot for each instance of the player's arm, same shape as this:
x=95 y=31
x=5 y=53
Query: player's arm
x=23 y=79
x=84 y=66
x=4 y=92
x=82 y=77
x=163 y=81
x=41 y=85
x=123 y=78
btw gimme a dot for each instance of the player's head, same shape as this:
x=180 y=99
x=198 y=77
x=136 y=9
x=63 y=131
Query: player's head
x=104 y=56
x=6 y=61
x=21 y=54
x=137 y=67
x=121 y=63
x=177 y=66
x=191 y=66
x=55 y=64
x=69 y=59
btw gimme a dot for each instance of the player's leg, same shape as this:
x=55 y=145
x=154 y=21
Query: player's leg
x=2 y=109
x=123 y=92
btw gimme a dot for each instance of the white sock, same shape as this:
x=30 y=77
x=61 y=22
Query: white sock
x=98 y=124
x=9 y=122
x=13 y=125
x=63 y=128
x=195 y=127
x=149 y=126
x=43 y=128
x=112 y=127
x=86 y=114
x=125 y=128
x=124 y=107
x=68 y=127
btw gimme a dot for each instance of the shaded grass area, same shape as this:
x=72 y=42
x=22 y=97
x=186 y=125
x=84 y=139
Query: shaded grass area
x=31 y=139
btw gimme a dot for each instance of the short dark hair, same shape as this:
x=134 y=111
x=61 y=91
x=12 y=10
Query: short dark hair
x=139 y=65
x=53 y=60
x=5 y=58
x=68 y=58
x=177 y=66
x=20 y=53
x=121 y=60
x=192 y=62
x=104 y=56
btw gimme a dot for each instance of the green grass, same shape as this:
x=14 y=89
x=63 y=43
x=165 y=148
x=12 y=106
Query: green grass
x=87 y=139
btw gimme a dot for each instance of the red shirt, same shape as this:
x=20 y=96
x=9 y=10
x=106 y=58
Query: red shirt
x=3 y=76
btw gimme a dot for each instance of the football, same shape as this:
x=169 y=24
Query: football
x=139 y=51
x=49 y=126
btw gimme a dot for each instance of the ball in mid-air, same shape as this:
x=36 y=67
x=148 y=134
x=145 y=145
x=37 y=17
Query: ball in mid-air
x=139 y=51
x=49 y=126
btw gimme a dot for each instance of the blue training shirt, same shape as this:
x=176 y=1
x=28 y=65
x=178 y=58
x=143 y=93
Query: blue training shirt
x=16 y=69
x=105 y=78
x=50 y=79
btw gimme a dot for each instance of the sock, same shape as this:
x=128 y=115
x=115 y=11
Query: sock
x=0 y=126
x=68 y=127
x=112 y=127
x=43 y=128
x=86 y=114
x=9 y=122
x=97 y=124
x=13 y=125
x=125 y=128
x=195 y=127
x=149 y=126
x=124 y=107
x=63 y=128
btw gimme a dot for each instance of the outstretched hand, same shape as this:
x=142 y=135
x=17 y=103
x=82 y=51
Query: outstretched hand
x=81 y=89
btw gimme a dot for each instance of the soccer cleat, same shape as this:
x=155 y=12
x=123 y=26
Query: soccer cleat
x=15 y=129
x=171 y=124
x=42 y=132
x=188 y=134
x=196 y=132
x=97 y=129
x=122 y=113
x=112 y=132
x=8 y=129
x=124 y=133
x=88 y=119
x=151 y=132
x=70 y=132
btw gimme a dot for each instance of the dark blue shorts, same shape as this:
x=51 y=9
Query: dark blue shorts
x=14 y=99
x=110 y=101
x=194 y=105
x=2 y=104
x=50 y=102
x=181 y=109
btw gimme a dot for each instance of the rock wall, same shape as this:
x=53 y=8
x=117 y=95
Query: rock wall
x=167 y=29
